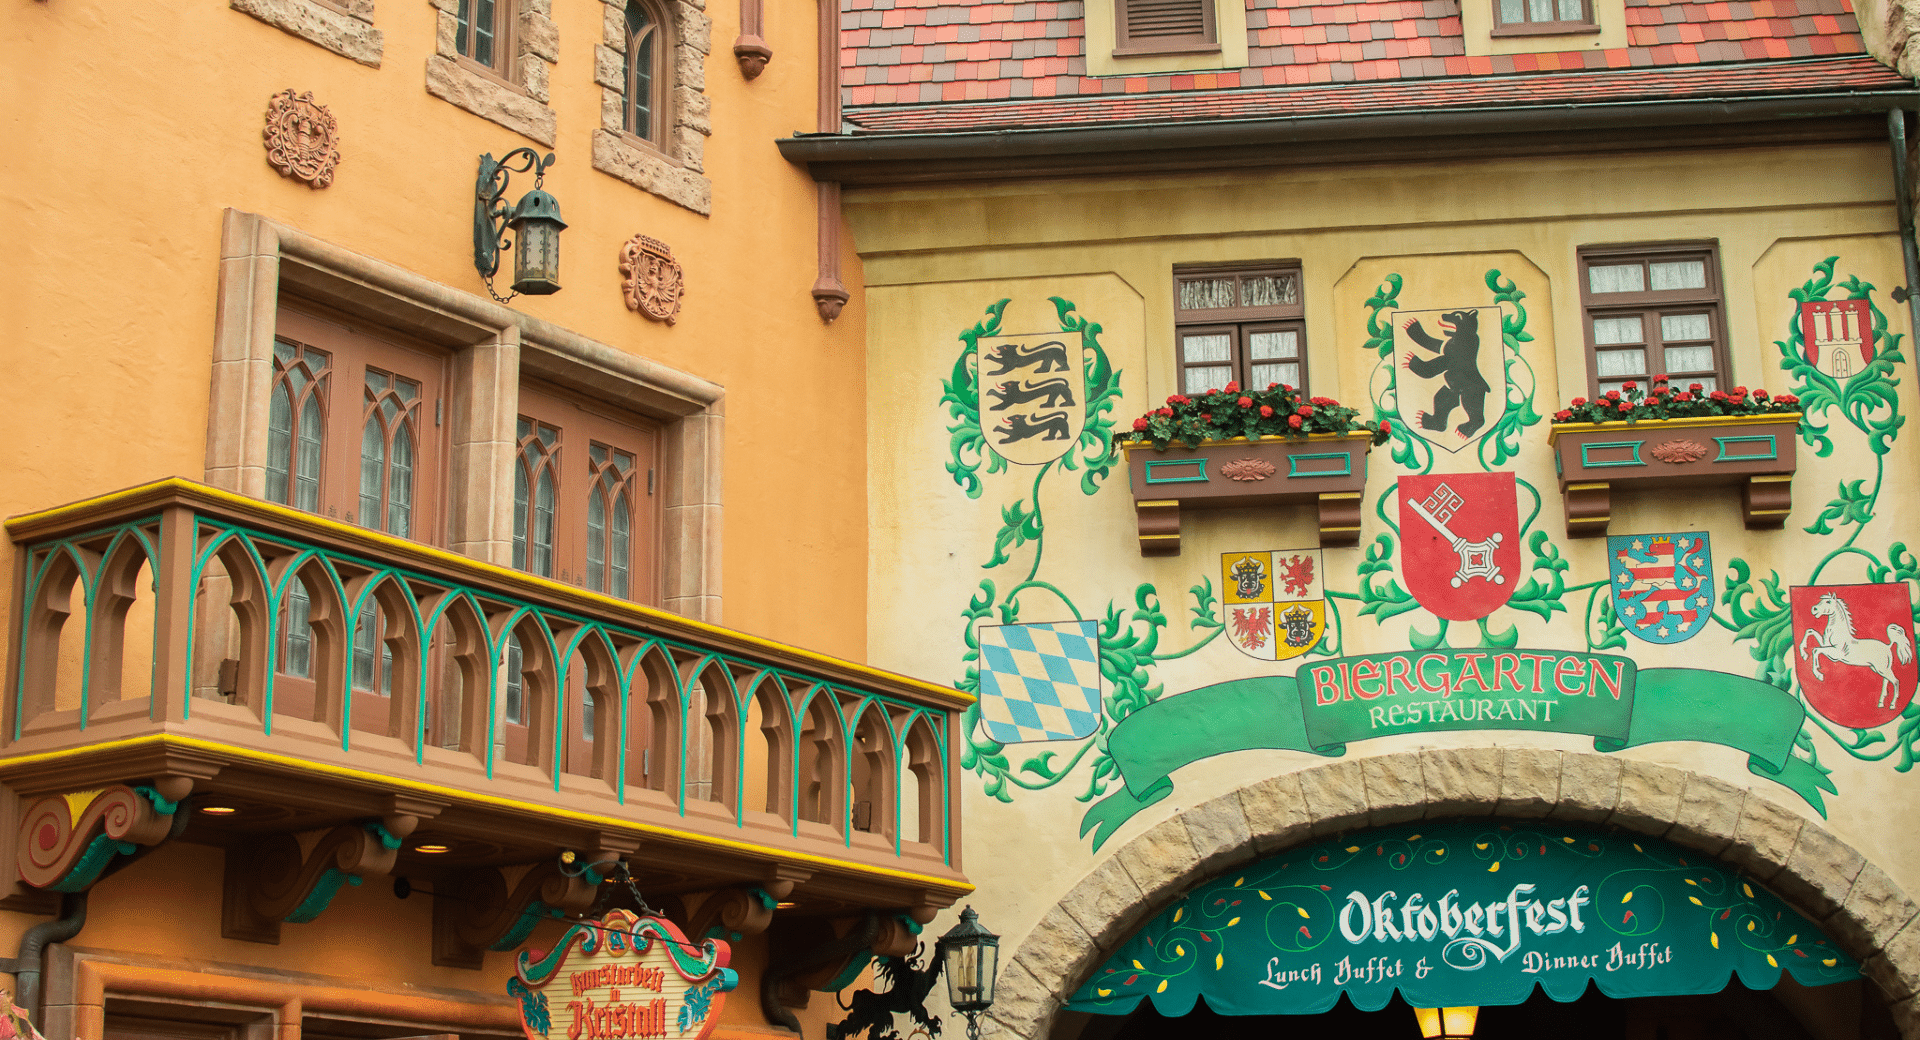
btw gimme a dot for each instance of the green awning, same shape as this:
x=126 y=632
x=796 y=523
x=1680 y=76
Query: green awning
x=1457 y=913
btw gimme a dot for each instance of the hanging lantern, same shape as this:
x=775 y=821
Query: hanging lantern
x=970 y=955
x=537 y=225
x=1454 y=1023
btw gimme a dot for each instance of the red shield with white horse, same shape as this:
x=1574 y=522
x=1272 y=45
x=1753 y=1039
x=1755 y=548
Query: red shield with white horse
x=1853 y=651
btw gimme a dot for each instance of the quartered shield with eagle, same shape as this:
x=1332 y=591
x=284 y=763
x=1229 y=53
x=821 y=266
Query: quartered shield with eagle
x=1276 y=606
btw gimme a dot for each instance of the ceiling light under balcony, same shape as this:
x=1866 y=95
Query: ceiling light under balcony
x=432 y=849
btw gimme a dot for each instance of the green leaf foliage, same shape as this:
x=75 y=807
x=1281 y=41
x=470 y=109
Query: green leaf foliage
x=1853 y=506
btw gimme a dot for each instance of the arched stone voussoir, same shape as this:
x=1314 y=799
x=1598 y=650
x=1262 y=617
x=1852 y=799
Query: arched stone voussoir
x=1857 y=902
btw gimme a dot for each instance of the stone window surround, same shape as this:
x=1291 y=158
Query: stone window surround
x=519 y=101
x=675 y=169
x=344 y=27
x=494 y=348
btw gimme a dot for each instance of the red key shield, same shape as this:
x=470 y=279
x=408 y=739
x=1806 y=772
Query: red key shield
x=1461 y=541
x=1853 y=651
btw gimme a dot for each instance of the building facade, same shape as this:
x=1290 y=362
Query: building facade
x=373 y=621
x=1277 y=717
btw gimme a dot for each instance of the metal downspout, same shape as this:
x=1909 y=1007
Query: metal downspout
x=1897 y=140
x=33 y=947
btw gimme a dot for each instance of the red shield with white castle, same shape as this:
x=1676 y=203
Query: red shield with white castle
x=1837 y=335
x=1461 y=535
x=1853 y=651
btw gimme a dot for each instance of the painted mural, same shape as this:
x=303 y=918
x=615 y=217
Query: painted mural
x=1467 y=607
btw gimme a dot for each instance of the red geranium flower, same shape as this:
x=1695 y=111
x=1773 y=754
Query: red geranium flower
x=1563 y=415
x=1386 y=425
x=1266 y=411
x=1613 y=395
x=1206 y=416
x=1165 y=413
x=1629 y=385
x=1233 y=388
x=1140 y=424
x=1245 y=402
x=1305 y=409
x=1696 y=387
x=1759 y=395
x=1294 y=421
x=1578 y=401
x=1683 y=396
x=1273 y=386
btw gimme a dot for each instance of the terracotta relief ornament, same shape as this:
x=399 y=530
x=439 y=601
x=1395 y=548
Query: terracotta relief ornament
x=303 y=141
x=1248 y=469
x=1678 y=452
x=650 y=278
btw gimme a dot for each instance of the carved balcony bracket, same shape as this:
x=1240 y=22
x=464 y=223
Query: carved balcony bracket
x=1327 y=471
x=735 y=913
x=475 y=911
x=67 y=840
x=805 y=955
x=270 y=881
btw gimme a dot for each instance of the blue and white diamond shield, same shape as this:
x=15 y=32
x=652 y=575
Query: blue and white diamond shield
x=1040 y=681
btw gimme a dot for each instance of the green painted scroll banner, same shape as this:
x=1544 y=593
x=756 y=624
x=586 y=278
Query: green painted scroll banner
x=1462 y=913
x=1329 y=704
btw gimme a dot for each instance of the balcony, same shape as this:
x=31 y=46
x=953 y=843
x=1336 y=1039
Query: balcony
x=197 y=666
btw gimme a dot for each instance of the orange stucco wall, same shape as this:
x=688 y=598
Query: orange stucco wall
x=131 y=127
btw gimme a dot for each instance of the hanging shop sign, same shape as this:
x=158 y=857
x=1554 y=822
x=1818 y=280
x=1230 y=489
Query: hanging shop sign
x=1332 y=702
x=1462 y=913
x=623 y=976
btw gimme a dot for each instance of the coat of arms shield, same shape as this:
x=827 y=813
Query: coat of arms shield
x=1276 y=608
x=1853 y=651
x=1040 y=681
x=1837 y=335
x=1452 y=380
x=1662 y=584
x=1033 y=400
x=1461 y=533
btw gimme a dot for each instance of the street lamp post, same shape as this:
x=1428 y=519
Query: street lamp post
x=970 y=955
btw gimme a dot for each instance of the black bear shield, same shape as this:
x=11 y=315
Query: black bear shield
x=1450 y=374
x=1032 y=396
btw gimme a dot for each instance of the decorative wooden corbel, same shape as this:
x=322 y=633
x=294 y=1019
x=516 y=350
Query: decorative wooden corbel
x=474 y=912
x=269 y=881
x=825 y=957
x=66 y=840
x=735 y=913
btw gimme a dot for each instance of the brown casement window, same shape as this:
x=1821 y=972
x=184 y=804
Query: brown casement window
x=353 y=432
x=484 y=31
x=1164 y=26
x=646 y=40
x=584 y=497
x=1239 y=325
x=1542 y=17
x=1651 y=310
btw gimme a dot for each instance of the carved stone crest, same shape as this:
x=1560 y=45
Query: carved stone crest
x=1247 y=469
x=650 y=278
x=303 y=141
x=1678 y=452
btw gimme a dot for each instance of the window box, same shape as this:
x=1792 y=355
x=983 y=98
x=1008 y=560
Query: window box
x=1752 y=452
x=1324 y=469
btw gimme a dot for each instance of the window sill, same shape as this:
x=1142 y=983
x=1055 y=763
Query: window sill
x=1545 y=29
x=1191 y=48
x=340 y=28
x=489 y=98
x=621 y=155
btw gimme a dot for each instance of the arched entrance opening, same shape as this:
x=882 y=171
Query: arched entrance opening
x=1549 y=928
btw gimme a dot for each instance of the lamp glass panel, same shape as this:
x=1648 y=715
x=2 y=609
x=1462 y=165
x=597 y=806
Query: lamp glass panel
x=1429 y=1019
x=989 y=971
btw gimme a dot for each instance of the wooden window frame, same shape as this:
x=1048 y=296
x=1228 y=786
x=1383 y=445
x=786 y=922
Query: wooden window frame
x=1556 y=27
x=1238 y=321
x=505 y=47
x=582 y=424
x=1650 y=305
x=659 y=43
x=1124 y=42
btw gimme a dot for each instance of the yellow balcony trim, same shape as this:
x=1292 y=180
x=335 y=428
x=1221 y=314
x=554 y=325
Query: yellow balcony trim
x=387 y=780
x=650 y=616
x=1657 y=425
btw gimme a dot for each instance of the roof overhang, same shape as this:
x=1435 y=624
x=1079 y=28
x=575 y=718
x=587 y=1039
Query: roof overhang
x=876 y=159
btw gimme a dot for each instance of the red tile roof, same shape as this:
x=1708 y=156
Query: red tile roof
x=1690 y=82
x=917 y=52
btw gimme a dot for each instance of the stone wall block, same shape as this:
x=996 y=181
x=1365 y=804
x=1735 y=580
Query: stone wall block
x=1709 y=814
x=1874 y=912
x=1649 y=797
x=1220 y=833
x=1022 y=1005
x=1276 y=813
x=1106 y=903
x=1059 y=949
x=690 y=68
x=1589 y=787
x=613 y=27
x=1461 y=781
x=1160 y=860
x=1396 y=789
x=1820 y=873
x=1529 y=782
x=1335 y=797
x=651 y=172
x=696 y=29
x=349 y=35
x=1764 y=838
x=489 y=100
x=609 y=68
x=539 y=36
x=693 y=109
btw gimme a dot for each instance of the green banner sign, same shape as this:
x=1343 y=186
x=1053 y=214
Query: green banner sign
x=1462 y=913
x=1329 y=704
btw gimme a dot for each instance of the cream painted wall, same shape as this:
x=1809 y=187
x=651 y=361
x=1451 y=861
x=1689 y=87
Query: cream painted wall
x=935 y=258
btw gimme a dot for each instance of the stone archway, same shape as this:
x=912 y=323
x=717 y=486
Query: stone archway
x=1854 y=901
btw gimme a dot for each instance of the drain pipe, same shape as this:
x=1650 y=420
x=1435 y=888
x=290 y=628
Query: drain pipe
x=33 y=948
x=1897 y=140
